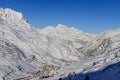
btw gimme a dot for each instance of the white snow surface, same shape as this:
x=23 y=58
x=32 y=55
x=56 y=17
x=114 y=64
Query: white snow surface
x=24 y=48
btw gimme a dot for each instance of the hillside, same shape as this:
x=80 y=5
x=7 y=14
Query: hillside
x=54 y=52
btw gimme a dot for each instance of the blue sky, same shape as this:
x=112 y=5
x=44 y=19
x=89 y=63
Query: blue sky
x=92 y=16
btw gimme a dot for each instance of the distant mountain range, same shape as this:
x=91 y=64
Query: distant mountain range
x=51 y=53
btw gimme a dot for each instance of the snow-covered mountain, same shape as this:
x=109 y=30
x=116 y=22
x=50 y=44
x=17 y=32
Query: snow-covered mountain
x=53 y=52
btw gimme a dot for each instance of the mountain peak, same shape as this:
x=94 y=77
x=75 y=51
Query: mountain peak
x=8 y=13
x=1 y=9
x=61 y=26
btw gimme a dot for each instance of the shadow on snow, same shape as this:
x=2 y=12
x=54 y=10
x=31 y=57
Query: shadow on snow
x=111 y=72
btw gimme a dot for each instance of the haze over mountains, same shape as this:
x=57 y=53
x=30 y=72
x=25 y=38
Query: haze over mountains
x=27 y=53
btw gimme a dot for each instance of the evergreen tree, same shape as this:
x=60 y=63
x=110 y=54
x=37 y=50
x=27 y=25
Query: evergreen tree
x=69 y=76
x=60 y=78
x=87 y=78
x=74 y=73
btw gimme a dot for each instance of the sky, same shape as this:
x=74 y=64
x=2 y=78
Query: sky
x=93 y=16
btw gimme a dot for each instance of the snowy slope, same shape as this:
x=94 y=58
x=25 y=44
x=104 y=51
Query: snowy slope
x=30 y=53
x=72 y=36
x=20 y=33
x=36 y=47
